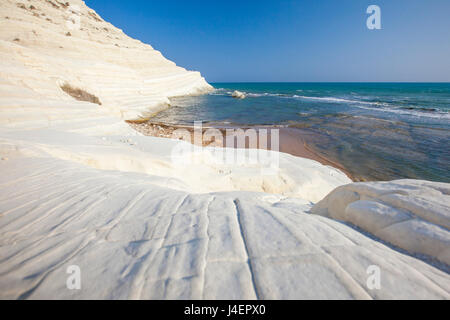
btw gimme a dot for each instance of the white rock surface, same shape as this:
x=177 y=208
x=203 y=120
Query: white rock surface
x=79 y=187
x=238 y=95
x=37 y=56
x=410 y=214
x=133 y=237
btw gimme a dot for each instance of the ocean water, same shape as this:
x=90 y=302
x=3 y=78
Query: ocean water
x=378 y=131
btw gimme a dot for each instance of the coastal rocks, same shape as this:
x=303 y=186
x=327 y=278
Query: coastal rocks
x=134 y=236
x=410 y=214
x=83 y=188
x=131 y=79
x=238 y=95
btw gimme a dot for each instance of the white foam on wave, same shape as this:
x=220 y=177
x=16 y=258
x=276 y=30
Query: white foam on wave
x=225 y=92
x=264 y=94
x=341 y=100
x=380 y=106
x=414 y=113
x=218 y=92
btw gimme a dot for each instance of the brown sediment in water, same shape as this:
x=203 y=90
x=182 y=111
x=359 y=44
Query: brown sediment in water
x=292 y=140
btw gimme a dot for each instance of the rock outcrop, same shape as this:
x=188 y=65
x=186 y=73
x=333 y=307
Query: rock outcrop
x=410 y=214
x=238 y=95
x=45 y=44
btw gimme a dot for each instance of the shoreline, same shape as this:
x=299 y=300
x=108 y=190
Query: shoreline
x=291 y=140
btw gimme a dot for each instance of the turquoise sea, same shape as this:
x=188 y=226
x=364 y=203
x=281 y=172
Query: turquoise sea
x=378 y=131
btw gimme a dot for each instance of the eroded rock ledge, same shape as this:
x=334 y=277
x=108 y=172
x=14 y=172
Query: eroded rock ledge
x=411 y=214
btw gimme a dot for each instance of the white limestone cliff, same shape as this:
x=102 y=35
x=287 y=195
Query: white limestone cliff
x=41 y=49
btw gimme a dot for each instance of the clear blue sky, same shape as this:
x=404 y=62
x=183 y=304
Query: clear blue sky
x=309 y=40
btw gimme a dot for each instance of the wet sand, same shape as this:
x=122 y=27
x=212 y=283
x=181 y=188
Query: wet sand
x=292 y=140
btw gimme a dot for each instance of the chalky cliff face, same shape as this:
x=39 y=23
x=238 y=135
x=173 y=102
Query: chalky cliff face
x=46 y=44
